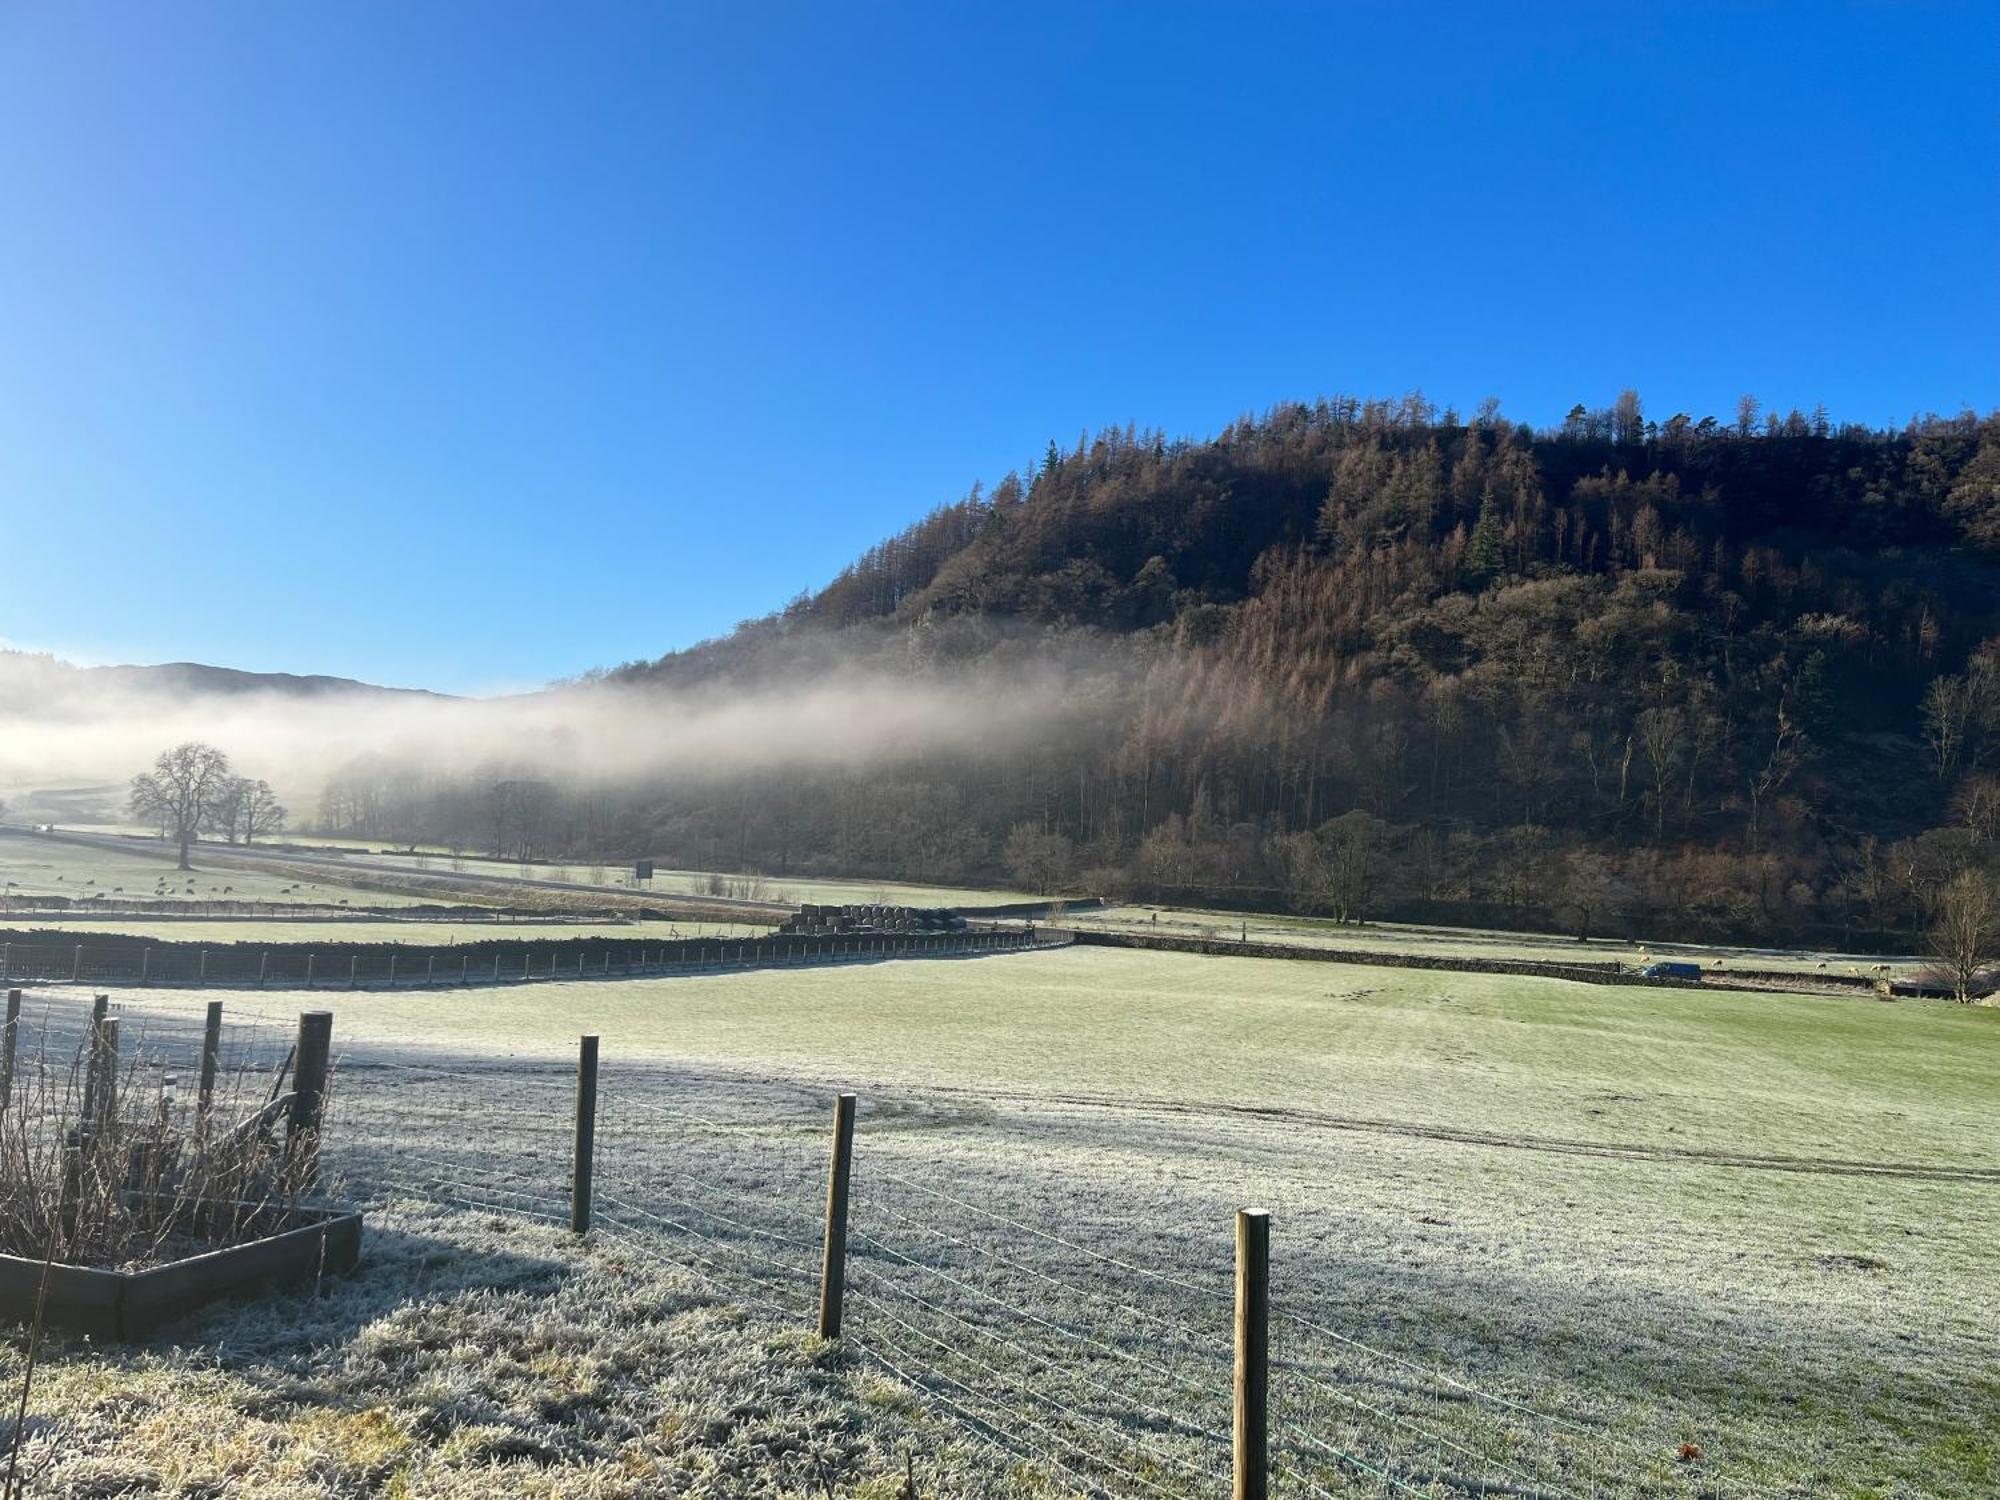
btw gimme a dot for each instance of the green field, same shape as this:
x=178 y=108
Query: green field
x=1471 y=942
x=1721 y=1218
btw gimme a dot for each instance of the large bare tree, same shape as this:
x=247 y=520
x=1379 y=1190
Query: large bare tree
x=1965 y=933
x=181 y=791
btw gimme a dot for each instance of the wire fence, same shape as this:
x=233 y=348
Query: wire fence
x=1082 y=1339
x=393 y=966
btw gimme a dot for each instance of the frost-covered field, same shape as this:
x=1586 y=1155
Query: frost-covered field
x=478 y=1356
x=35 y=866
x=1526 y=1233
x=1469 y=942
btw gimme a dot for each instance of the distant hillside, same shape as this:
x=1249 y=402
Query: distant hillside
x=28 y=678
x=1716 y=677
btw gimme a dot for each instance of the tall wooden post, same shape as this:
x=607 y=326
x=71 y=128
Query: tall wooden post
x=99 y=1009
x=586 y=1135
x=309 y=1069
x=263 y=967
x=833 y=1261
x=311 y=958
x=76 y=965
x=8 y=1038
x=211 y=1056
x=104 y=1108
x=1253 y=1355
x=145 y=964
x=204 y=966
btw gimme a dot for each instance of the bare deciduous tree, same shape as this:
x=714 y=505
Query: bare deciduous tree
x=179 y=793
x=259 y=810
x=1043 y=861
x=1966 y=929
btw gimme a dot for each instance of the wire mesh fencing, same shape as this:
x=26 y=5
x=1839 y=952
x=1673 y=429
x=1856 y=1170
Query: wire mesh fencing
x=1014 y=1282
x=1067 y=1333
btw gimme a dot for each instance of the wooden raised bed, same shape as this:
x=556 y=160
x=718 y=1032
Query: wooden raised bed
x=130 y=1305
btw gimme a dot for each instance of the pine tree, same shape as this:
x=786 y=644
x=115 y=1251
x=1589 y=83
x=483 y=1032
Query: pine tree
x=1486 y=551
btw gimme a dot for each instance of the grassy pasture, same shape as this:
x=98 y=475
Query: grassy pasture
x=1538 y=1185
x=45 y=866
x=1719 y=1070
x=1466 y=942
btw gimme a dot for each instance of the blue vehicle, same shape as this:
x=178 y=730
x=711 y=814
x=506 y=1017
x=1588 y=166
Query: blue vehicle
x=1665 y=970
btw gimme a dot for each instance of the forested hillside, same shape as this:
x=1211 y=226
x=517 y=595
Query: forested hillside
x=1719 y=678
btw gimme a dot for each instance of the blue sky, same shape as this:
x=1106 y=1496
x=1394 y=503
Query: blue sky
x=472 y=345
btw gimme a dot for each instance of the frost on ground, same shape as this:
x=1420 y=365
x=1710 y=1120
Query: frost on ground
x=1529 y=1238
x=476 y=1355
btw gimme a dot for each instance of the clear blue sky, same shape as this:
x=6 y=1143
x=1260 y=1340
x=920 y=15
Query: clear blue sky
x=472 y=345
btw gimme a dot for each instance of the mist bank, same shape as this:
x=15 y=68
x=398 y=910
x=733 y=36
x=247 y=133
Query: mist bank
x=65 y=728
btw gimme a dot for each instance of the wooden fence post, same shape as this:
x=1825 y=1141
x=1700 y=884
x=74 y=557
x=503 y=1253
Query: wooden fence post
x=1253 y=1355
x=104 y=1058
x=204 y=966
x=353 y=969
x=7 y=1040
x=263 y=967
x=211 y=1057
x=431 y=969
x=76 y=965
x=99 y=1009
x=309 y=1068
x=586 y=1135
x=6 y=960
x=311 y=958
x=833 y=1262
